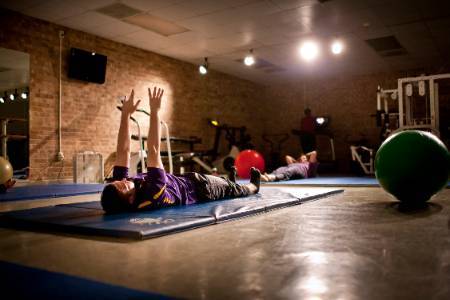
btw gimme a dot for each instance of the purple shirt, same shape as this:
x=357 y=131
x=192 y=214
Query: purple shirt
x=157 y=189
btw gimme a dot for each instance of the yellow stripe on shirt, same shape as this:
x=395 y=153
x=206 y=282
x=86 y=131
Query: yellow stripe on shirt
x=156 y=196
x=144 y=204
x=168 y=201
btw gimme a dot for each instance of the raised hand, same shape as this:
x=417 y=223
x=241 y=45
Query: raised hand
x=155 y=98
x=128 y=106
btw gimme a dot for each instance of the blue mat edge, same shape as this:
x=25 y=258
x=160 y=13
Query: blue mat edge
x=14 y=223
x=317 y=182
x=10 y=196
x=43 y=284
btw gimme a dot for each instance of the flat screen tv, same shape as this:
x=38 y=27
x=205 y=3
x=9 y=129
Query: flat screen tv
x=87 y=66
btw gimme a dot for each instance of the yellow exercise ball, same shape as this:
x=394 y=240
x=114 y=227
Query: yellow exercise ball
x=6 y=170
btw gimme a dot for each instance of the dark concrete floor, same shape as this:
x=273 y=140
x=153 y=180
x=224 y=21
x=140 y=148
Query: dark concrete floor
x=355 y=245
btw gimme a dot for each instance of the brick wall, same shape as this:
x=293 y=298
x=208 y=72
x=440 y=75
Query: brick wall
x=349 y=101
x=89 y=116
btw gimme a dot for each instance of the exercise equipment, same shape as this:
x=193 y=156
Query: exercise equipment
x=211 y=161
x=88 y=218
x=412 y=165
x=6 y=171
x=275 y=142
x=418 y=104
x=385 y=118
x=248 y=159
x=237 y=138
x=5 y=136
x=417 y=108
x=363 y=156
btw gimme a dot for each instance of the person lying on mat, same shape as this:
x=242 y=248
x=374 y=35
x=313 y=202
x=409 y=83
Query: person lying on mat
x=303 y=167
x=156 y=188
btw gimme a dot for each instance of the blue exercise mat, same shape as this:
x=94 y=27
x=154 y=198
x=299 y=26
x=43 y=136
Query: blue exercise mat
x=21 y=282
x=333 y=182
x=32 y=192
x=330 y=181
x=89 y=218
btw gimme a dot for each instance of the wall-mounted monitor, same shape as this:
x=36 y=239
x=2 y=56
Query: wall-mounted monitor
x=87 y=66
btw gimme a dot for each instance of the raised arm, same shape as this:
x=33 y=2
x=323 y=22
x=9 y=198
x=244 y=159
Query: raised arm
x=154 y=131
x=124 y=138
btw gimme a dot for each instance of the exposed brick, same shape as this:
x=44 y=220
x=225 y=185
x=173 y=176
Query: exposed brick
x=90 y=118
x=89 y=115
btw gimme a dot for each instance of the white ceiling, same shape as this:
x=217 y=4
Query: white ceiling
x=225 y=30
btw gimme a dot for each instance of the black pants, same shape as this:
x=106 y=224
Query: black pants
x=209 y=187
x=289 y=172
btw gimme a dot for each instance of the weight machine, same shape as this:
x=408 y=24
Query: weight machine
x=428 y=90
x=418 y=108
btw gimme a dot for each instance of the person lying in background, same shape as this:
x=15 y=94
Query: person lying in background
x=156 y=188
x=303 y=167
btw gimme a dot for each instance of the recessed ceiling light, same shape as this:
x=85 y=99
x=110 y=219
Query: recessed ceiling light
x=309 y=50
x=337 y=47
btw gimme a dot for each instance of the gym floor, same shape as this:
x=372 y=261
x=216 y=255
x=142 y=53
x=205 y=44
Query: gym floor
x=355 y=245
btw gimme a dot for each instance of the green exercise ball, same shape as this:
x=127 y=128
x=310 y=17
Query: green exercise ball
x=412 y=165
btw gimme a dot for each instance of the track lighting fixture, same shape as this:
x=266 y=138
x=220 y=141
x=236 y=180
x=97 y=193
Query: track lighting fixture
x=249 y=59
x=203 y=69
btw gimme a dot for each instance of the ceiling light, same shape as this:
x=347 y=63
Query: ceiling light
x=337 y=47
x=249 y=59
x=309 y=50
x=2 y=100
x=24 y=95
x=12 y=97
x=203 y=69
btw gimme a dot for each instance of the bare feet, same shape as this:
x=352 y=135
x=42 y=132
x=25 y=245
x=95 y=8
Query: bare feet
x=268 y=177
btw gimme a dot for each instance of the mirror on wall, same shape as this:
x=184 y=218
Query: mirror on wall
x=14 y=100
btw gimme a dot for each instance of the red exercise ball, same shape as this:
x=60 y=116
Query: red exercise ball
x=247 y=159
